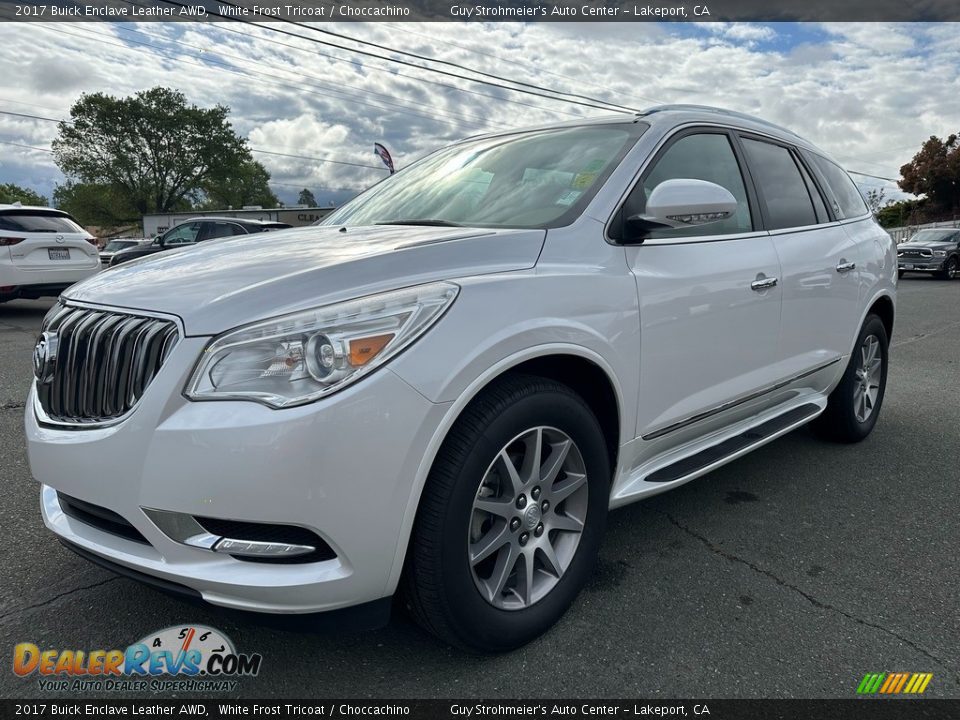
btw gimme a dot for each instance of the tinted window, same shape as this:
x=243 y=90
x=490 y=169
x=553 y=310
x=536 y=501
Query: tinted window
x=116 y=245
x=706 y=156
x=33 y=221
x=779 y=181
x=182 y=235
x=849 y=202
x=220 y=229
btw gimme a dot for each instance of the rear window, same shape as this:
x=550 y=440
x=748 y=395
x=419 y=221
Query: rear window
x=848 y=200
x=34 y=221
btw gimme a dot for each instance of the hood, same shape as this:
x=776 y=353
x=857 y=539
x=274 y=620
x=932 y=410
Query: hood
x=928 y=245
x=220 y=284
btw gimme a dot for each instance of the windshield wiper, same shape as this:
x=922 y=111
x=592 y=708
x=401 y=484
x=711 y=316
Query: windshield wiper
x=434 y=223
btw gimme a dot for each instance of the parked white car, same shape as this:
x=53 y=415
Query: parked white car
x=442 y=390
x=42 y=252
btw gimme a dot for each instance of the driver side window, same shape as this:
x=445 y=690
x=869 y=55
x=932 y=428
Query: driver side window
x=701 y=156
x=182 y=235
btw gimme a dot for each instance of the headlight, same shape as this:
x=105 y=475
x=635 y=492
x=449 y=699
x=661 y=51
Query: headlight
x=939 y=253
x=297 y=358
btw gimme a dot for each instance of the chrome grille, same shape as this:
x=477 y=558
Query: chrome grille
x=104 y=360
x=916 y=253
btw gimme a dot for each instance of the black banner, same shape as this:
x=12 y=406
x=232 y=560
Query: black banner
x=865 y=709
x=477 y=11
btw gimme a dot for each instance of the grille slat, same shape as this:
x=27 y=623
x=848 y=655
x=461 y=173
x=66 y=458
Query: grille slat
x=105 y=361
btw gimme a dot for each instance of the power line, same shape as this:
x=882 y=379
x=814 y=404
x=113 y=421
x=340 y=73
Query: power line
x=393 y=73
x=276 y=81
x=252 y=149
x=348 y=94
x=537 y=68
x=607 y=107
x=28 y=147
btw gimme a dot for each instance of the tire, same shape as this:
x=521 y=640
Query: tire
x=950 y=270
x=846 y=418
x=900 y=273
x=444 y=587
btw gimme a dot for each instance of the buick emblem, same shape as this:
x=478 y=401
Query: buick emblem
x=59 y=238
x=45 y=357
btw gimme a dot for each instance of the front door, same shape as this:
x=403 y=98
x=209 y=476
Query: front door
x=709 y=295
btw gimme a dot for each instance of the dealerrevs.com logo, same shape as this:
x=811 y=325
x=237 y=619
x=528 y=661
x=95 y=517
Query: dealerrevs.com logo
x=180 y=658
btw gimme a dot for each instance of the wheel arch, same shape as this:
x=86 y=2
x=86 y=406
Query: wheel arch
x=586 y=372
x=883 y=308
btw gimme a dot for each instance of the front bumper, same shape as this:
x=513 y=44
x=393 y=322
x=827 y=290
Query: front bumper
x=921 y=264
x=343 y=467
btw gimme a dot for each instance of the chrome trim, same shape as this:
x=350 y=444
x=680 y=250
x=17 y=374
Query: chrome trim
x=763 y=284
x=181 y=528
x=258 y=548
x=667 y=429
x=75 y=388
x=846 y=267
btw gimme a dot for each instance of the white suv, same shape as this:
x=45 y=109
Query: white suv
x=42 y=252
x=442 y=390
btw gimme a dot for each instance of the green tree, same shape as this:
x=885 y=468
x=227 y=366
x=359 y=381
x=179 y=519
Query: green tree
x=935 y=173
x=10 y=193
x=247 y=183
x=153 y=149
x=901 y=213
x=306 y=198
x=96 y=204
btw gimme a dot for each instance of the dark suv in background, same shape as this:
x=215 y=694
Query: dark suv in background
x=935 y=250
x=196 y=230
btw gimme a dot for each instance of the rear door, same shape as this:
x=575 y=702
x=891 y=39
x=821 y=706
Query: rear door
x=709 y=299
x=819 y=262
x=40 y=239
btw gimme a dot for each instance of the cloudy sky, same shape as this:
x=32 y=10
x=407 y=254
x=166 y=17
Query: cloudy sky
x=868 y=93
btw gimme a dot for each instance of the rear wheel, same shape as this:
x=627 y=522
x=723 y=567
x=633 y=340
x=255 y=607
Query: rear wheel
x=512 y=517
x=900 y=273
x=854 y=405
x=951 y=269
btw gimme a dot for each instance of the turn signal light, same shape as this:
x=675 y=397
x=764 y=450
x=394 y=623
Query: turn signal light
x=363 y=350
x=5 y=241
x=91 y=240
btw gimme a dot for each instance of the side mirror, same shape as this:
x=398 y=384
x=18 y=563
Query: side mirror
x=680 y=203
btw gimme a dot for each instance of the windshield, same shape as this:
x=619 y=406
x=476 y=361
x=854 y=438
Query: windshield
x=933 y=235
x=115 y=245
x=531 y=180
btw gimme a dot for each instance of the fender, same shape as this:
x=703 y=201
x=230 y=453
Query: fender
x=454 y=411
x=881 y=292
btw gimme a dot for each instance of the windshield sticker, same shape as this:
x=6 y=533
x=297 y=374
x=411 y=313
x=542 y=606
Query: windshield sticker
x=569 y=197
x=584 y=180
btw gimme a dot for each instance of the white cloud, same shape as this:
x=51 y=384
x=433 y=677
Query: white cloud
x=868 y=93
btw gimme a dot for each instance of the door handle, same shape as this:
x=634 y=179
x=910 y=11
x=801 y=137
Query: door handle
x=763 y=284
x=845 y=267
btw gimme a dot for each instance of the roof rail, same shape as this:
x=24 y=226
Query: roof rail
x=718 y=111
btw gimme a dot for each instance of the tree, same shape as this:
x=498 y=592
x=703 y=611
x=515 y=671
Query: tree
x=153 y=149
x=244 y=184
x=876 y=199
x=306 y=198
x=10 y=193
x=96 y=204
x=935 y=173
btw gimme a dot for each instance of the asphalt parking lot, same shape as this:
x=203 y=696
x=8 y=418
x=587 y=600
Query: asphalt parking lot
x=789 y=573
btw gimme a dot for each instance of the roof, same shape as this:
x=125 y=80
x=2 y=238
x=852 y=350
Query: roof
x=18 y=206
x=218 y=218
x=680 y=114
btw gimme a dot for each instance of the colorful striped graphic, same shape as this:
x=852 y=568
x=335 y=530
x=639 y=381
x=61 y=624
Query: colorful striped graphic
x=894 y=683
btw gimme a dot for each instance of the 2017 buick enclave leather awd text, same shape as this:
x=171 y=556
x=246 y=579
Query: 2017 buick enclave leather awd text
x=442 y=390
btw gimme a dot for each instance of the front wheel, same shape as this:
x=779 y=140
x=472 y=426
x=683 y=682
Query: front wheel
x=854 y=405
x=511 y=518
x=951 y=269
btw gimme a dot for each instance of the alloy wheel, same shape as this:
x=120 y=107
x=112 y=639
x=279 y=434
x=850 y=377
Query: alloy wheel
x=869 y=374
x=527 y=518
